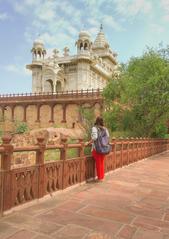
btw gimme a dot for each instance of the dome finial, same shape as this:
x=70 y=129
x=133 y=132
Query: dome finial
x=101 y=27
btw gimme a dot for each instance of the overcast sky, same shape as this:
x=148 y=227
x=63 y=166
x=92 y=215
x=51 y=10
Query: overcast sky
x=129 y=26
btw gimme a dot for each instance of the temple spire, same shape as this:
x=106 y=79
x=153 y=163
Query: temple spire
x=100 y=41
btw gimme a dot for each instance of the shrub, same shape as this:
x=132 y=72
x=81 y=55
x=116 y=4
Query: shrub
x=21 y=127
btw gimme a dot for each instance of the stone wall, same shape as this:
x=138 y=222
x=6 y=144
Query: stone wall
x=72 y=115
x=39 y=112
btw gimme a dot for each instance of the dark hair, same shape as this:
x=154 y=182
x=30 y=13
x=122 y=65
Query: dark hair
x=99 y=121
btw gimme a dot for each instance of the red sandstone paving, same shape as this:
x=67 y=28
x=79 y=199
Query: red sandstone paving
x=17 y=219
x=72 y=205
x=151 y=222
x=7 y=229
x=22 y=234
x=94 y=223
x=132 y=203
x=148 y=234
x=42 y=237
x=98 y=235
x=153 y=203
x=165 y=233
x=166 y=218
x=42 y=226
x=142 y=224
x=160 y=194
x=108 y=203
x=127 y=232
x=113 y=214
x=72 y=232
x=83 y=195
x=144 y=211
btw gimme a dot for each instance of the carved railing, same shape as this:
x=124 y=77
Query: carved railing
x=51 y=95
x=21 y=185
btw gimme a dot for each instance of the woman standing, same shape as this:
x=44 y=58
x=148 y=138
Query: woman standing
x=99 y=158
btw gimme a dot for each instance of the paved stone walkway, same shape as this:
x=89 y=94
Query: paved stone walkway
x=132 y=202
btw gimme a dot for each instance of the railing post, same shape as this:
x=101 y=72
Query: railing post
x=82 y=161
x=127 y=149
x=136 y=149
x=114 y=151
x=154 y=146
x=144 y=148
x=150 y=151
x=63 y=156
x=40 y=165
x=5 y=174
x=63 y=151
x=149 y=147
x=140 y=148
x=132 y=149
x=121 y=152
x=81 y=149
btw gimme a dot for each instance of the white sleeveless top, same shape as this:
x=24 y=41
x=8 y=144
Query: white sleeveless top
x=94 y=134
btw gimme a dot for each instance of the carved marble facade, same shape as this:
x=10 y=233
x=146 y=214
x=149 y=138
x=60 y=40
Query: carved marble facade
x=90 y=68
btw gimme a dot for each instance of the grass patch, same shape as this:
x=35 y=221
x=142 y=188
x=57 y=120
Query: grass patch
x=72 y=153
x=52 y=155
x=87 y=150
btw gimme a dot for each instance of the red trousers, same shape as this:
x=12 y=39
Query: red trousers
x=99 y=159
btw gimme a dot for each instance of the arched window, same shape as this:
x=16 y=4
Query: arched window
x=58 y=86
x=81 y=46
x=64 y=80
x=49 y=86
x=39 y=54
x=86 y=46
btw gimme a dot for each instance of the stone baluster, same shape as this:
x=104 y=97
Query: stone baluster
x=63 y=156
x=82 y=161
x=41 y=166
x=5 y=174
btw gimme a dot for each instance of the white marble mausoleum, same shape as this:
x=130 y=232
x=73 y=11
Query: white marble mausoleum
x=91 y=67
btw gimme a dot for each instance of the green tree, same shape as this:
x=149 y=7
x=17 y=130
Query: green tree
x=141 y=94
x=87 y=115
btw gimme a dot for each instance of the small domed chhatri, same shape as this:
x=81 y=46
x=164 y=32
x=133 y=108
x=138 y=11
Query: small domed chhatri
x=38 y=50
x=84 y=43
x=38 y=42
x=91 y=67
x=84 y=34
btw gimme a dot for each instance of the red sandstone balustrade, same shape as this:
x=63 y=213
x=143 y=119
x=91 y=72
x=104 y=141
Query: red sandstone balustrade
x=25 y=184
x=50 y=94
x=36 y=98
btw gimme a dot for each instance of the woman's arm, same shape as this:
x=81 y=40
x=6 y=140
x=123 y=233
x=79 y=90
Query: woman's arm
x=94 y=134
x=107 y=132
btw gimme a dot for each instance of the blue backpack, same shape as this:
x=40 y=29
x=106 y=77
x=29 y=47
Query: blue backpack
x=102 y=145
